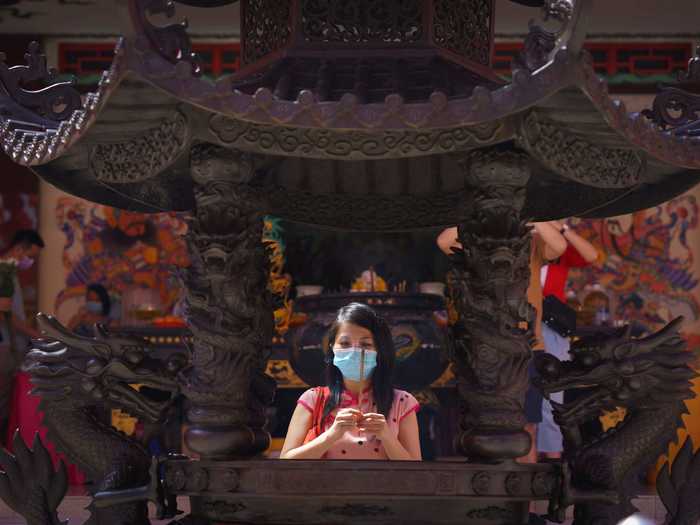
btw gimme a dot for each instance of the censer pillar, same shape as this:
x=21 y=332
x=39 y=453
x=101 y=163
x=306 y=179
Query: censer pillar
x=488 y=286
x=229 y=309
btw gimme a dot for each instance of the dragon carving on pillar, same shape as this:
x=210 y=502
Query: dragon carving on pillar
x=229 y=309
x=488 y=284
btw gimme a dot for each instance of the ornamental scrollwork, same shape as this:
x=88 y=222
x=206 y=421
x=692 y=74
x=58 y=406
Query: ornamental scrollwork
x=560 y=10
x=491 y=513
x=577 y=159
x=693 y=72
x=142 y=157
x=676 y=109
x=265 y=27
x=541 y=43
x=357 y=510
x=464 y=28
x=362 y=21
x=361 y=212
x=55 y=102
x=537 y=49
x=172 y=41
x=279 y=140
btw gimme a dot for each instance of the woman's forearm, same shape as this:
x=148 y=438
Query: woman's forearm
x=314 y=449
x=583 y=247
x=554 y=242
x=395 y=450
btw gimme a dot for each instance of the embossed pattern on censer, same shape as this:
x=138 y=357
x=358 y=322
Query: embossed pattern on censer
x=265 y=28
x=362 y=21
x=369 y=81
x=464 y=27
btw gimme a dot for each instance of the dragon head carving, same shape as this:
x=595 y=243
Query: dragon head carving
x=650 y=377
x=84 y=371
x=619 y=371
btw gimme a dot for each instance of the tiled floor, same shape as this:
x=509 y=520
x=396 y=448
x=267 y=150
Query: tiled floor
x=73 y=507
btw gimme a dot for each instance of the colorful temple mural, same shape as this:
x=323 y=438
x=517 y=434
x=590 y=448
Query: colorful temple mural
x=119 y=249
x=126 y=251
x=648 y=266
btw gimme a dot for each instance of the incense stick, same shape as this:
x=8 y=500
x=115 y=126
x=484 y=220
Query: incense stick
x=362 y=378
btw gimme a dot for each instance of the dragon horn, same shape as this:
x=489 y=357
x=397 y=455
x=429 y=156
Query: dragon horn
x=9 y=464
x=667 y=332
x=100 y=331
x=6 y=490
x=23 y=456
x=52 y=328
x=43 y=466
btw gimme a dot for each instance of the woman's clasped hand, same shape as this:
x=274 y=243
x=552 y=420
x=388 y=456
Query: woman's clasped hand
x=352 y=419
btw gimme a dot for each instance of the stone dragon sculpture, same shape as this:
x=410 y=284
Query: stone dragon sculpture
x=75 y=377
x=678 y=486
x=650 y=377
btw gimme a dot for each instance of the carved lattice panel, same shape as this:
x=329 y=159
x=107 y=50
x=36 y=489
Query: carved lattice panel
x=362 y=21
x=464 y=27
x=265 y=27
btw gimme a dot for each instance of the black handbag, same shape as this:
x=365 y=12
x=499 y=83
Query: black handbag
x=558 y=316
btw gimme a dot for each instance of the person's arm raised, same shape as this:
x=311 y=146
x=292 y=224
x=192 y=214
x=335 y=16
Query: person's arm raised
x=585 y=249
x=554 y=242
x=447 y=240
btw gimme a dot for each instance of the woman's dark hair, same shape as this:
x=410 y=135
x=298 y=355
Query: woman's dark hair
x=381 y=380
x=101 y=292
x=27 y=238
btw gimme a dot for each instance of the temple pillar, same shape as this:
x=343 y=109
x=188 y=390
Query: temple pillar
x=228 y=309
x=488 y=286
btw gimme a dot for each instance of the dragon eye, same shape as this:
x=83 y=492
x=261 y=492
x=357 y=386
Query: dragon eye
x=176 y=363
x=589 y=359
x=548 y=366
x=134 y=355
x=95 y=366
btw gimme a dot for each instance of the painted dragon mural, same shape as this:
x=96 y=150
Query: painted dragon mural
x=649 y=265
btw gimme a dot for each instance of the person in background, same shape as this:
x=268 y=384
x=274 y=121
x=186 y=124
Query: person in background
x=25 y=248
x=97 y=310
x=428 y=430
x=578 y=253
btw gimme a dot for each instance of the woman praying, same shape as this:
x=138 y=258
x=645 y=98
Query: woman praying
x=359 y=415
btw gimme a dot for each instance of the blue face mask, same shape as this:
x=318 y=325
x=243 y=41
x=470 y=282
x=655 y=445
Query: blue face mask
x=25 y=263
x=349 y=360
x=94 y=307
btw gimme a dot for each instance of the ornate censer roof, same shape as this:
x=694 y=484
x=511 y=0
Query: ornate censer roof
x=352 y=113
